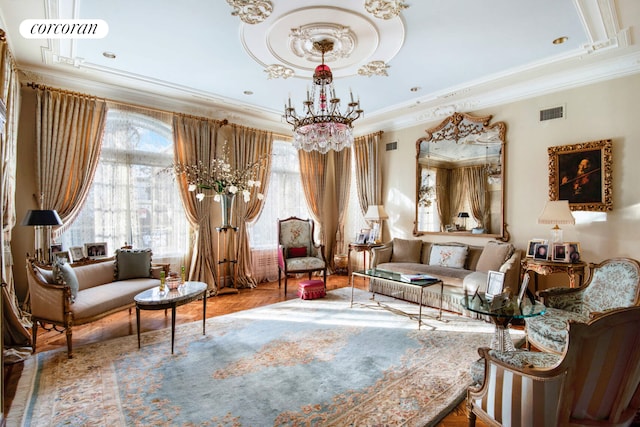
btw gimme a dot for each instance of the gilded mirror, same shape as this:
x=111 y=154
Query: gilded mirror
x=460 y=178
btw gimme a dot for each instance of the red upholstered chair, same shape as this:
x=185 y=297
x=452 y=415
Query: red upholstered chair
x=297 y=253
x=594 y=382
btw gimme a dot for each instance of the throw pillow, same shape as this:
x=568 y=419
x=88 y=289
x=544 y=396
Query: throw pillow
x=448 y=256
x=132 y=264
x=493 y=256
x=406 y=250
x=297 y=252
x=63 y=274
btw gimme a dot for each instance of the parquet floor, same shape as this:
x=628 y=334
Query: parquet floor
x=124 y=323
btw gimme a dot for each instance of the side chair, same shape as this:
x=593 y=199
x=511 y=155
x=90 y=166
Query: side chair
x=297 y=252
x=595 y=381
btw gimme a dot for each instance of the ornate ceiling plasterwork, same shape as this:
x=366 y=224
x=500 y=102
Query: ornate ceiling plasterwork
x=287 y=38
x=251 y=11
x=385 y=9
x=276 y=71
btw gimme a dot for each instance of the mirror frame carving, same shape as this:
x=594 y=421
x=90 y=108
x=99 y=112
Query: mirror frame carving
x=455 y=127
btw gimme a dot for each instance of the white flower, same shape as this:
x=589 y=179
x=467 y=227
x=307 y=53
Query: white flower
x=251 y=183
x=247 y=195
x=217 y=198
x=260 y=196
x=192 y=187
x=233 y=189
x=256 y=183
x=200 y=196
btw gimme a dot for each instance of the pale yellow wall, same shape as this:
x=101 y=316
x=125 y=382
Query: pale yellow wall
x=605 y=110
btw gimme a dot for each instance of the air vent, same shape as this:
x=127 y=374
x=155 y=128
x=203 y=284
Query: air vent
x=392 y=146
x=552 y=113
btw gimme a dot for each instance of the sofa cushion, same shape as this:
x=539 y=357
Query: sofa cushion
x=94 y=273
x=493 y=256
x=453 y=256
x=64 y=275
x=406 y=250
x=132 y=264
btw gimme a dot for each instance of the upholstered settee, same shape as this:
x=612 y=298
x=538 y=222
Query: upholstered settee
x=66 y=295
x=461 y=267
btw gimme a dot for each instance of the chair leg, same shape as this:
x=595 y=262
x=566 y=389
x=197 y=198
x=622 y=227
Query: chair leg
x=69 y=346
x=34 y=335
x=324 y=278
x=286 y=278
x=471 y=417
x=279 y=277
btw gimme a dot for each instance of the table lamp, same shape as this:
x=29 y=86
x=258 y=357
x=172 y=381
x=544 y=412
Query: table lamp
x=464 y=216
x=43 y=221
x=376 y=214
x=556 y=212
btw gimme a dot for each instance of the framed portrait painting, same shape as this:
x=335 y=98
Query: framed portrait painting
x=95 y=250
x=581 y=173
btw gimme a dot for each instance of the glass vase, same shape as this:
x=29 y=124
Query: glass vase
x=226 y=204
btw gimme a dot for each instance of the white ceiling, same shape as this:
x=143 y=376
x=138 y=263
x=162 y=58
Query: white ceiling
x=195 y=56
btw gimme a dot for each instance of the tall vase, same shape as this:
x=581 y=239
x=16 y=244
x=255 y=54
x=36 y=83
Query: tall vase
x=226 y=204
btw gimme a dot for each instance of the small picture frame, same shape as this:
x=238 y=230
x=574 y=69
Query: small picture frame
x=532 y=246
x=523 y=287
x=560 y=252
x=96 y=250
x=55 y=248
x=449 y=228
x=77 y=253
x=541 y=252
x=495 y=284
x=360 y=238
x=62 y=255
x=573 y=251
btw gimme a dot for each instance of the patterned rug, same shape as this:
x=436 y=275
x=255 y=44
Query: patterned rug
x=295 y=363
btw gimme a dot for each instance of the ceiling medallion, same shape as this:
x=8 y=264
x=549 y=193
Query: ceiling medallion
x=374 y=68
x=302 y=39
x=277 y=71
x=323 y=127
x=251 y=11
x=385 y=9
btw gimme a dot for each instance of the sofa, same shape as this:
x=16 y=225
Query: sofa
x=67 y=295
x=462 y=268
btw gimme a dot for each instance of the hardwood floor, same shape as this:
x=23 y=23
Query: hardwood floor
x=123 y=323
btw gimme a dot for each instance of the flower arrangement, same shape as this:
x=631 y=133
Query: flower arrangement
x=221 y=178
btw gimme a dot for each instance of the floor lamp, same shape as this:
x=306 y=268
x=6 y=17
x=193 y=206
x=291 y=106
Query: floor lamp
x=42 y=221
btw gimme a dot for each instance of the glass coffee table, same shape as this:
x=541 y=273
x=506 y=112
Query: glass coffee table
x=389 y=276
x=153 y=299
x=502 y=316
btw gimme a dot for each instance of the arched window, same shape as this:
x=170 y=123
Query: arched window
x=133 y=198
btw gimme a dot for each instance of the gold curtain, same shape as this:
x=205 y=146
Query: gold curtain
x=250 y=145
x=196 y=140
x=15 y=321
x=342 y=165
x=69 y=128
x=313 y=169
x=365 y=149
x=475 y=178
x=456 y=191
x=443 y=202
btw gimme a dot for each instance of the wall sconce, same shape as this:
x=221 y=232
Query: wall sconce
x=43 y=221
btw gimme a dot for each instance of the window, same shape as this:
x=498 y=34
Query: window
x=284 y=198
x=133 y=198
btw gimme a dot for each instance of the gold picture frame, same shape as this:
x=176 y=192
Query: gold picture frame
x=582 y=174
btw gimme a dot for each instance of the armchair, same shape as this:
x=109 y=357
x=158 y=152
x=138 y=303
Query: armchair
x=595 y=382
x=614 y=283
x=297 y=252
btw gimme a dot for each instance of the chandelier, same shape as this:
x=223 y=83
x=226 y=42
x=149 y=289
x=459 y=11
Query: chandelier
x=323 y=127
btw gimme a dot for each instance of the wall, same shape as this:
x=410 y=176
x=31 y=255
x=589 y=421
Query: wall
x=605 y=110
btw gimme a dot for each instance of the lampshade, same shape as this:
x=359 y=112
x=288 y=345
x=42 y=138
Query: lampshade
x=463 y=215
x=41 y=217
x=556 y=212
x=376 y=213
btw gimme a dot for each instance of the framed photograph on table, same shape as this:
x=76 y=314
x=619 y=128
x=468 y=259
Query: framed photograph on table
x=560 y=252
x=62 y=255
x=360 y=238
x=495 y=284
x=541 y=252
x=96 y=250
x=532 y=246
x=581 y=173
x=77 y=253
x=523 y=287
x=573 y=251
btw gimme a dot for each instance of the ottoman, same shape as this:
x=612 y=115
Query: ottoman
x=311 y=289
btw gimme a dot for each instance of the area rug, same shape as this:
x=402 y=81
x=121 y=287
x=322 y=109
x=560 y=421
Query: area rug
x=295 y=363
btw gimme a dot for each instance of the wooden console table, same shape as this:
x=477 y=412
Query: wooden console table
x=539 y=267
x=360 y=247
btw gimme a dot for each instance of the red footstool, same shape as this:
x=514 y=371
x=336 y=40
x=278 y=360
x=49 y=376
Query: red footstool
x=311 y=289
